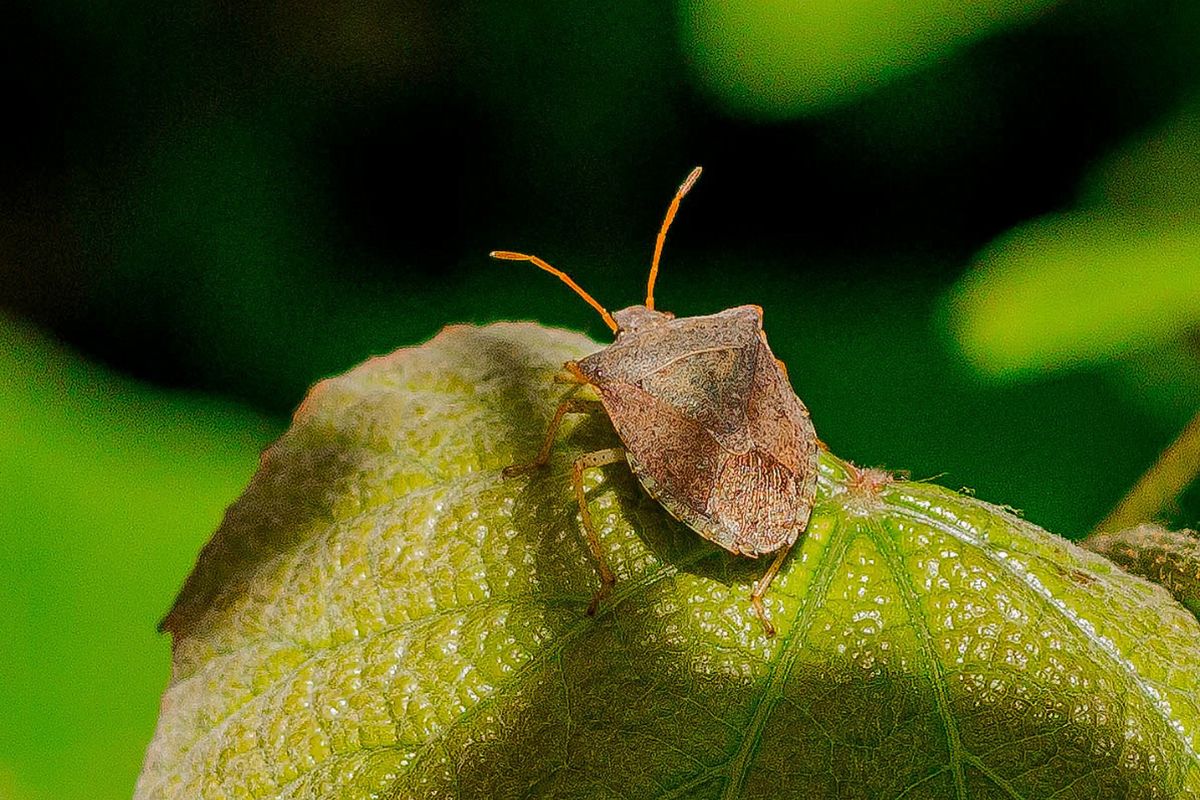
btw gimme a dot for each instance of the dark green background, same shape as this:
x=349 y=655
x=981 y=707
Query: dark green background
x=206 y=207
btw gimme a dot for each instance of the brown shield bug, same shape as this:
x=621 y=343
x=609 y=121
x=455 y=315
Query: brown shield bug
x=708 y=422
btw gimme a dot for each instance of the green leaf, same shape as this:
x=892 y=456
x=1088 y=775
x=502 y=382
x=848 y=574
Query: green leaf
x=781 y=59
x=1077 y=288
x=383 y=615
x=1117 y=279
x=107 y=488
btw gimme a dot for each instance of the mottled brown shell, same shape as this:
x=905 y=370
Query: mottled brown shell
x=710 y=424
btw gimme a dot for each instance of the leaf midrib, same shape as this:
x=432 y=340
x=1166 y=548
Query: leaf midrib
x=916 y=616
x=739 y=763
x=1048 y=601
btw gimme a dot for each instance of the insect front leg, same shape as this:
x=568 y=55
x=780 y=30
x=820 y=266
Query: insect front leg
x=572 y=405
x=570 y=373
x=760 y=589
x=595 y=459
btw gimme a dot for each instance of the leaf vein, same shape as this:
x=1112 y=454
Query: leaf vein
x=740 y=762
x=920 y=624
x=1144 y=687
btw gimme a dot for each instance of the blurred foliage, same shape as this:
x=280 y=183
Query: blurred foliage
x=1117 y=280
x=110 y=488
x=1169 y=558
x=236 y=201
x=1079 y=288
x=1114 y=285
x=781 y=58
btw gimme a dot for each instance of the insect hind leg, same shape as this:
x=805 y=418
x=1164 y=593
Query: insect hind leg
x=599 y=458
x=760 y=589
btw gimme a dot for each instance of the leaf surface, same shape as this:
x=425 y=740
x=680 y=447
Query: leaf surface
x=383 y=615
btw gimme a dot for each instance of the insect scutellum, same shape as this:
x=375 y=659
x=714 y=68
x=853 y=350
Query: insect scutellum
x=684 y=188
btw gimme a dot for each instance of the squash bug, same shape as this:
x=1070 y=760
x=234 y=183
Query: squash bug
x=708 y=422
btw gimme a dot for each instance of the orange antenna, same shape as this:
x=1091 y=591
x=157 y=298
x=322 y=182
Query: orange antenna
x=662 y=233
x=506 y=255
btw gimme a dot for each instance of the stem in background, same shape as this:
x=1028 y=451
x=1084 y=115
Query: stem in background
x=1161 y=484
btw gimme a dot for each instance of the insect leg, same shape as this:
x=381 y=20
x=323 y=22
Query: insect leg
x=760 y=589
x=570 y=374
x=572 y=405
x=595 y=459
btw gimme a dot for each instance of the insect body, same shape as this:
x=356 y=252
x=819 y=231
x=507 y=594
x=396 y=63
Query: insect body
x=708 y=422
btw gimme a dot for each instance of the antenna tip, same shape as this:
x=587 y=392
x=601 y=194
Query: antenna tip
x=690 y=181
x=508 y=255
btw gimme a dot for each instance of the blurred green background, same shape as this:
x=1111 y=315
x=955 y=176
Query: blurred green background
x=974 y=228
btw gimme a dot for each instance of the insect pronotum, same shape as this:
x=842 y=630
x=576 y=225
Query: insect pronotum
x=707 y=421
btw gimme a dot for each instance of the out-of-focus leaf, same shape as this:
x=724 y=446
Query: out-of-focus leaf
x=383 y=615
x=774 y=58
x=1157 y=174
x=1169 y=558
x=1115 y=282
x=1077 y=288
x=11 y=790
x=106 y=486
